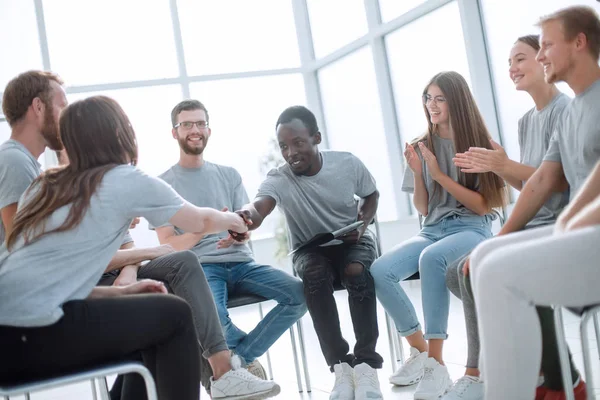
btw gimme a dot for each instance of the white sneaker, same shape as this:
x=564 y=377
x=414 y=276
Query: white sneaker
x=366 y=383
x=239 y=384
x=411 y=371
x=466 y=388
x=435 y=382
x=344 y=382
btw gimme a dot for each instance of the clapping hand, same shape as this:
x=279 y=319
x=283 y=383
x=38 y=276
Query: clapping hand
x=431 y=161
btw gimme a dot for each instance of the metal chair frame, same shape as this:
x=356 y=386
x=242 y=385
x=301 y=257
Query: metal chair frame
x=241 y=300
x=95 y=376
x=587 y=314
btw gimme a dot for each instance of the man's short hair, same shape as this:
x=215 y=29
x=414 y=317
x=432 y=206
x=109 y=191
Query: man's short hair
x=576 y=20
x=21 y=91
x=187 y=105
x=303 y=114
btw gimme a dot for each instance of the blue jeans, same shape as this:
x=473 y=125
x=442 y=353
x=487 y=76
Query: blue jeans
x=263 y=280
x=430 y=252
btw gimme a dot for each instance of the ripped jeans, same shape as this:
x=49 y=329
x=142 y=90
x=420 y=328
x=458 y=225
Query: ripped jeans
x=324 y=268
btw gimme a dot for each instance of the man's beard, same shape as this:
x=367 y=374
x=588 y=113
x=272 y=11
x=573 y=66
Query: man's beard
x=187 y=149
x=50 y=130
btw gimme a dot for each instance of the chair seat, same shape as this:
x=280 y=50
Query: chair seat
x=243 y=299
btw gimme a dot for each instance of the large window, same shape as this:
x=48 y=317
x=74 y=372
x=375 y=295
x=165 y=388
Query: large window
x=254 y=35
x=354 y=121
x=149 y=110
x=501 y=37
x=243 y=113
x=20 y=50
x=335 y=23
x=247 y=61
x=414 y=62
x=391 y=9
x=94 y=42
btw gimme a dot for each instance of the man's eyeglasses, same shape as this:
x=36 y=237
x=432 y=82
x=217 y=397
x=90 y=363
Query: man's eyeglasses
x=437 y=99
x=189 y=124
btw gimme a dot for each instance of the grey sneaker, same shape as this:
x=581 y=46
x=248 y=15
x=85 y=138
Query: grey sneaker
x=256 y=369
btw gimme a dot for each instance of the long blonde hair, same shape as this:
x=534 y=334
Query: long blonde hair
x=97 y=137
x=468 y=130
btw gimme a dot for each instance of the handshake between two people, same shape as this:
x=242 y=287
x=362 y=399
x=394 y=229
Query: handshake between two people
x=239 y=231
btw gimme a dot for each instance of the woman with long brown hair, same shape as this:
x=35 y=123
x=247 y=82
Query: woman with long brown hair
x=458 y=213
x=535 y=130
x=70 y=223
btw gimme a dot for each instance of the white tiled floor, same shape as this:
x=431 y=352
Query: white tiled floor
x=322 y=380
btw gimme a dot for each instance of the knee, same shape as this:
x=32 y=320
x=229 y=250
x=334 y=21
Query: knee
x=378 y=271
x=187 y=260
x=358 y=281
x=432 y=263
x=183 y=263
x=176 y=308
x=297 y=292
x=353 y=269
x=315 y=273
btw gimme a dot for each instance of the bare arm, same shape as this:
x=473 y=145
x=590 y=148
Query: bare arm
x=143 y=286
x=534 y=194
x=471 y=199
x=584 y=209
x=254 y=213
x=421 y=196
x=515 y=173
x=479 y=160
x=101 y=292
x=167 y=235
x=128 y=255
x=204 y=220
x=8 y=214
x=368 y=208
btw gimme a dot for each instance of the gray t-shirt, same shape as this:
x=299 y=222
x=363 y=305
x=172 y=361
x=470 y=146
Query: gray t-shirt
x=535 y=131
x=323 y=202
x=576 y=141
x=215 y=186
x=36 y=279
x=18 y=168
x=441 y=204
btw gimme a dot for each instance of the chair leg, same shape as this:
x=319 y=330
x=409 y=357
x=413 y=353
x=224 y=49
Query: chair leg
x=94 y=393
x=104 y=392
x=392 y=344
x=563 y=353
x=27 y=396
x=303 y=354
x=296 y=365
x=400 y=349
x=269 y=366
x=585 y=348
x=597 y=329
x=150 y=384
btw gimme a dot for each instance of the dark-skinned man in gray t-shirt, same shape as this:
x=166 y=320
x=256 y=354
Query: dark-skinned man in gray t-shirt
x=317 y=190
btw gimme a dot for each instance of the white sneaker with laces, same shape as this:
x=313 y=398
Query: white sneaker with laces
x=239 y=384
x=411 y=371
x=466 y=388
x=344 y=382
x=366 y=383
x=435 y=382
